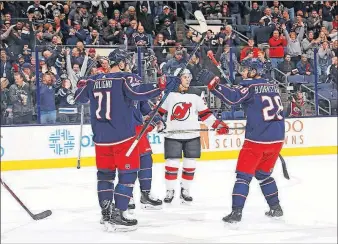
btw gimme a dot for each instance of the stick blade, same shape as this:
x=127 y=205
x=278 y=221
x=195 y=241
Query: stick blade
x=42 y=215
x=201 y=20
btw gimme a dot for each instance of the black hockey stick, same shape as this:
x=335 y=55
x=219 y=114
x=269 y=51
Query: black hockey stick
x=38 y=216
x=285 y=170
x=199 y=16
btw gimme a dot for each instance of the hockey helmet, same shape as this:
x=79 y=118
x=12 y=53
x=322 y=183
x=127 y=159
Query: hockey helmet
x=185 y=72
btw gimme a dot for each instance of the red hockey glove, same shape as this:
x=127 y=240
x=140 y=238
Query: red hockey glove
x=162 y=82
x=81 y=83
x=221 y=127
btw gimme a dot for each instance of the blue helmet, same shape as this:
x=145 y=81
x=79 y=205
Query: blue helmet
x=117 y=56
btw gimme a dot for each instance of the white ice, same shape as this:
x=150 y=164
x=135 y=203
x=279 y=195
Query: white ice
x=309 y=201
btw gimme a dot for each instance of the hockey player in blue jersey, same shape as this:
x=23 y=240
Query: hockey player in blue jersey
x=264 y=137
x=148 y=201
x=111 y=105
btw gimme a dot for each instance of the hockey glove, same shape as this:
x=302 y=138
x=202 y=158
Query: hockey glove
x=220 y=127
x=81 y=83
x=168 y=83
x=208 y=78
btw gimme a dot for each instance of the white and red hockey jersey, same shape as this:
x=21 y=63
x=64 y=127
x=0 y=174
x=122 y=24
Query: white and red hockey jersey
x=183 y=112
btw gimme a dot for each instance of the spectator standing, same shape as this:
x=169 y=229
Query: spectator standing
x=141 y=39
x=294 y=44
x=287 y=67
x=74 y=72
x=47 y=100
x=21 y=96
x=5 y=101
x=76 y=34
x=327 y=15
x=161 y=49
x=5 y=67
x=169 y=33
x=231 y=38
x=325 y=55
x=262 y=35
x=113 y=33
x=94 y=38
x=276 y=52
x=250 y=46
x=165 y=15
x=146 y=20
x=314 y=23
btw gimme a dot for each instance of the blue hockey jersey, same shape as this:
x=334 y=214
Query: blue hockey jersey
x=263 y=107
x=111 y=104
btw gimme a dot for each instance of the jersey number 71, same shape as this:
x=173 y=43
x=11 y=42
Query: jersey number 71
x=100 y=96
x=273 y=103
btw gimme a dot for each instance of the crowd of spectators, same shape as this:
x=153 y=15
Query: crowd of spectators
x=289 y=36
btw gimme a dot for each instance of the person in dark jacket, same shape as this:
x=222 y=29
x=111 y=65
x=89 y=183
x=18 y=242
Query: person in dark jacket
x=21 y=96
x=75 y=34
x=146 y=20
x=113 y=34
x=47 y=100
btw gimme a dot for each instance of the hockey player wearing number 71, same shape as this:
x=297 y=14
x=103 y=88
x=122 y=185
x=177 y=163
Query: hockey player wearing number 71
x=264 y=137
x=183 y=109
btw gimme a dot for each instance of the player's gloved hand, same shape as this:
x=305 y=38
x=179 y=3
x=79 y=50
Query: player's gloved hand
x=168 y=83
x=208 y=78
x=221 y=127
x=81 y=83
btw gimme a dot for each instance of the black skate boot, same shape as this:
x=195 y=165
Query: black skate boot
x=106 y=210
x=169 y=197
x=185 y=196
x=234 y=217
x=120 y=222
x=150 y=202
x=131 y=206
x=275 y=211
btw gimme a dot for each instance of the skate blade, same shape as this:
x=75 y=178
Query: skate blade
x=183 y=202
x=232 y=226
x=108 y=227
x=151 y=207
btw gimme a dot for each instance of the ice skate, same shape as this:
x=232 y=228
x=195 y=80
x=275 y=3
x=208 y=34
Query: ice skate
x=120 y=222
x=149 y=202
x=106 y=211
x=185 y=196
x=131 y=206
x=234 y=217
x=275 y=211
x=169 y=196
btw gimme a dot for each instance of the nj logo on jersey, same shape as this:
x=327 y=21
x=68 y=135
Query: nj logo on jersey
x=181 y=111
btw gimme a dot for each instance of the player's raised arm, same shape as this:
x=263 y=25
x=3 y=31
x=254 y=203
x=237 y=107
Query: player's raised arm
x=135 y=90
x=230 y=95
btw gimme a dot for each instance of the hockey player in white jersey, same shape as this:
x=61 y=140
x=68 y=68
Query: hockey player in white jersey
x=184 y=109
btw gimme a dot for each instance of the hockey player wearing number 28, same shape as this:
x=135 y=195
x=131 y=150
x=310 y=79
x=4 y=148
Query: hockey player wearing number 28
x=264 y=137
x=183 y=109
x=111 y=105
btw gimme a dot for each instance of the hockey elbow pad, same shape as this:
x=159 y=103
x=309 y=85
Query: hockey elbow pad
x=208 y=78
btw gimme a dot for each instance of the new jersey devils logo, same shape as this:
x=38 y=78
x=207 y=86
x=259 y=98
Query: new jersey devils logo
x=181 y=111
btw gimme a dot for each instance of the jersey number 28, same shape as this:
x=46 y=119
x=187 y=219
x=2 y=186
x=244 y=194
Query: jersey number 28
x=273 y=103
x=100 y=96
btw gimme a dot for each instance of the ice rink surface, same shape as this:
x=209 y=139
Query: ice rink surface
x=309 y=201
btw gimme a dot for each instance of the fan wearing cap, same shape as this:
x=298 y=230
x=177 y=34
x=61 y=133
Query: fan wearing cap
x=178 y=61
x=76 y=34
x=184 y=108
x=38 y=10
x=166 y=15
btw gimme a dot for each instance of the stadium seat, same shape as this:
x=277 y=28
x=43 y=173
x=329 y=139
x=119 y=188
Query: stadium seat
x=297 y=79
x=226 y=115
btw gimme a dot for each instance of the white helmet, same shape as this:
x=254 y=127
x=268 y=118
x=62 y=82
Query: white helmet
x=185 y=72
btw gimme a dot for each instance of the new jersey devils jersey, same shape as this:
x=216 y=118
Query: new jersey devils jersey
x=184 y=109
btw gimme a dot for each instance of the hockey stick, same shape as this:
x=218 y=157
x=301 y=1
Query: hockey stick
x=285 y=170
x=80 y=138
x=196 y=130
x=211 y=56
x=38 y=216
x=199 y=16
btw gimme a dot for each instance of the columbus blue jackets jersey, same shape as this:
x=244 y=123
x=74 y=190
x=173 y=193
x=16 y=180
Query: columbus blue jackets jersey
x=263 y=107
x=111 y=104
